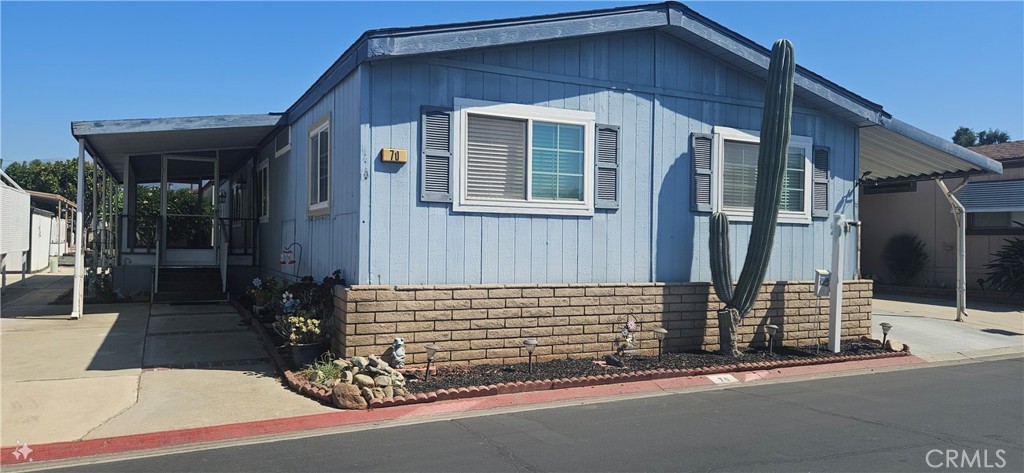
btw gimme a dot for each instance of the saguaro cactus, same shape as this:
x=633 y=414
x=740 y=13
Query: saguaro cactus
x=776 y=124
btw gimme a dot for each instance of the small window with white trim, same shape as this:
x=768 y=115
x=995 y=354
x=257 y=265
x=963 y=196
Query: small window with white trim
x=737 y=155
x=515 y=158
x=283 y=142
x=263 y=188
x=319 y=163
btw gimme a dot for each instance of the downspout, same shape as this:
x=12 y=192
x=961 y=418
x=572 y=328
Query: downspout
x=959 y=215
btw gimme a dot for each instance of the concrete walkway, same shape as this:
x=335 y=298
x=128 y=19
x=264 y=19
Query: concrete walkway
x=929 y=326
x=129 y=368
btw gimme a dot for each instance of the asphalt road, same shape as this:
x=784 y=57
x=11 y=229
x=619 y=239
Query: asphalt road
x=878 y=422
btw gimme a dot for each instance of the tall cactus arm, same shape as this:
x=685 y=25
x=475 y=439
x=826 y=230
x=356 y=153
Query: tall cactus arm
x=776 y=125
x=721 y=270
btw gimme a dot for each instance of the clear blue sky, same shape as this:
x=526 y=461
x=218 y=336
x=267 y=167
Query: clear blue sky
x=936 y=65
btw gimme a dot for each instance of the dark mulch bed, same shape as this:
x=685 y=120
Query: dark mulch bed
x=448 y=377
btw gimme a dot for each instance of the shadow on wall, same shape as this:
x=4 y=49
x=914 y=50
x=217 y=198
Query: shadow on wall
x=674 y=242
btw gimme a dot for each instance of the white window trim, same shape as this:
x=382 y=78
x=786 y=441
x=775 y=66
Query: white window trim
x=264 y=192
x=462 y=203
x=281 y=152
x=723 y=134
x=318 y=208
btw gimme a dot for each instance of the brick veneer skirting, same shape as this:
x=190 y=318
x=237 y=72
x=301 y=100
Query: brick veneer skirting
x=487 y=323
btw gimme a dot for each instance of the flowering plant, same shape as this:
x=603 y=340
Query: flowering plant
x=301 y=328
x=262 y=292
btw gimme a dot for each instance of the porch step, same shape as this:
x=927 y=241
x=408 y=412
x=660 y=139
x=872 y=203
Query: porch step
x=190 y=296
x=189 y=285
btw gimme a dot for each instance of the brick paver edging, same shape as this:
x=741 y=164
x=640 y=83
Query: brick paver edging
x=323 y=394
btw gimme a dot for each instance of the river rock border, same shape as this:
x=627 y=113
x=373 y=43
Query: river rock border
x=324 y=394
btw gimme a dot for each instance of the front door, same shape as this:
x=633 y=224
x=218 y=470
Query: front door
x=189 y=201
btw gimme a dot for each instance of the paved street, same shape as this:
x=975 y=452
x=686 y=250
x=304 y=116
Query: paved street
x=877 y=422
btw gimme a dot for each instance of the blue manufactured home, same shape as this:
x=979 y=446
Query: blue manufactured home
x=585 y=147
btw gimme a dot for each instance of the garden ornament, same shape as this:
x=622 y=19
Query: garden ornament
x=398 y=353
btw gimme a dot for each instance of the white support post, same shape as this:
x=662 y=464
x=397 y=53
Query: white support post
x=835 y=300
x=960 y=216
x=840 y=228
x=78 y=299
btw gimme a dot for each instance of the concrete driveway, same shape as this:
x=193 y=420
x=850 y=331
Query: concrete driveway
x=928 y=325
x=129 y=368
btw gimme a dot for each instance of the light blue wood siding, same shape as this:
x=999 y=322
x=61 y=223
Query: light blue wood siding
x=658 y=90
x=329 y=242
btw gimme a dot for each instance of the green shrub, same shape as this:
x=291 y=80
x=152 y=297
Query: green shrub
x=905 y=257
x=1006 y=271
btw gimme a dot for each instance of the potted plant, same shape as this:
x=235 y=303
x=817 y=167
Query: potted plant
x=262 y=294
x=305 y=331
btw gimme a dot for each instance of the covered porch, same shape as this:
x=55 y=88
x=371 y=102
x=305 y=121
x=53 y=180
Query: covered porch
x=176 y=205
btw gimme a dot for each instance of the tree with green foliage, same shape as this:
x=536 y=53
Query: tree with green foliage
x=966 y=137
x=992 y=136
x=55 y=177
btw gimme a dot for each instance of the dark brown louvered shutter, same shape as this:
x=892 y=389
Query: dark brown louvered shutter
x=702 y=152
x=436 y=151
x=819 y=184
x=606 y=168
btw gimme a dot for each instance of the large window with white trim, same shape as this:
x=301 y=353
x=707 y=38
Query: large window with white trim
x=738 y=151
x=319 y=167
x=515 y=158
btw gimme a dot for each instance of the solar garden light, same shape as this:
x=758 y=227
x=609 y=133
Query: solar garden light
x=886 y=327
x=531 y=344
x=772 y=328
x=660 y=333
x=432 y=349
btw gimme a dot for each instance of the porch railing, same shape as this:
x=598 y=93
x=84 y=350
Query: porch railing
x=242 y=236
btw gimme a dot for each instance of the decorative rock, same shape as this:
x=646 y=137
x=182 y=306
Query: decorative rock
x=613 y=360
x=342 y=363
x=381 y=365
x=378 y=393
x=363 y=381
x=893 y=345
x=389 y=391
x=360 y=362
x=397 y=379
x=347 y=396
x=400 y=391
x=346 y=377
x=367 y=394
x=382 y=380
x=317 y=377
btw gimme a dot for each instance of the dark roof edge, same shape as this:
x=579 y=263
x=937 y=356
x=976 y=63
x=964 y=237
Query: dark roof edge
x=85 y=128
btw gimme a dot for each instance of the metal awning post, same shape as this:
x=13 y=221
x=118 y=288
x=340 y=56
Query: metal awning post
x=959 y=214
x=78 y=296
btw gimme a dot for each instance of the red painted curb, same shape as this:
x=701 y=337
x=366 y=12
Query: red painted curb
x=410 y=407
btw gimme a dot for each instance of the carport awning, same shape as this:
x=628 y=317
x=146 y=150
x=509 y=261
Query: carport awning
x=993 y=196
x=112 y=141
x=895 y=150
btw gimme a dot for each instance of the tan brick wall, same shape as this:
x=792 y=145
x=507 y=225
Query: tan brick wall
x=487 y=323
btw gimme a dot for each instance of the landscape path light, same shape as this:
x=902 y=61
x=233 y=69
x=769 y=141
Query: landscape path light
x=772 y=328
x=660 y=333
x=432 y=349
x=886 y=327
x=531 y=344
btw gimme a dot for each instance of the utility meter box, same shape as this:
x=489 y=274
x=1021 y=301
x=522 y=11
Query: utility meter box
x=822 y=277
